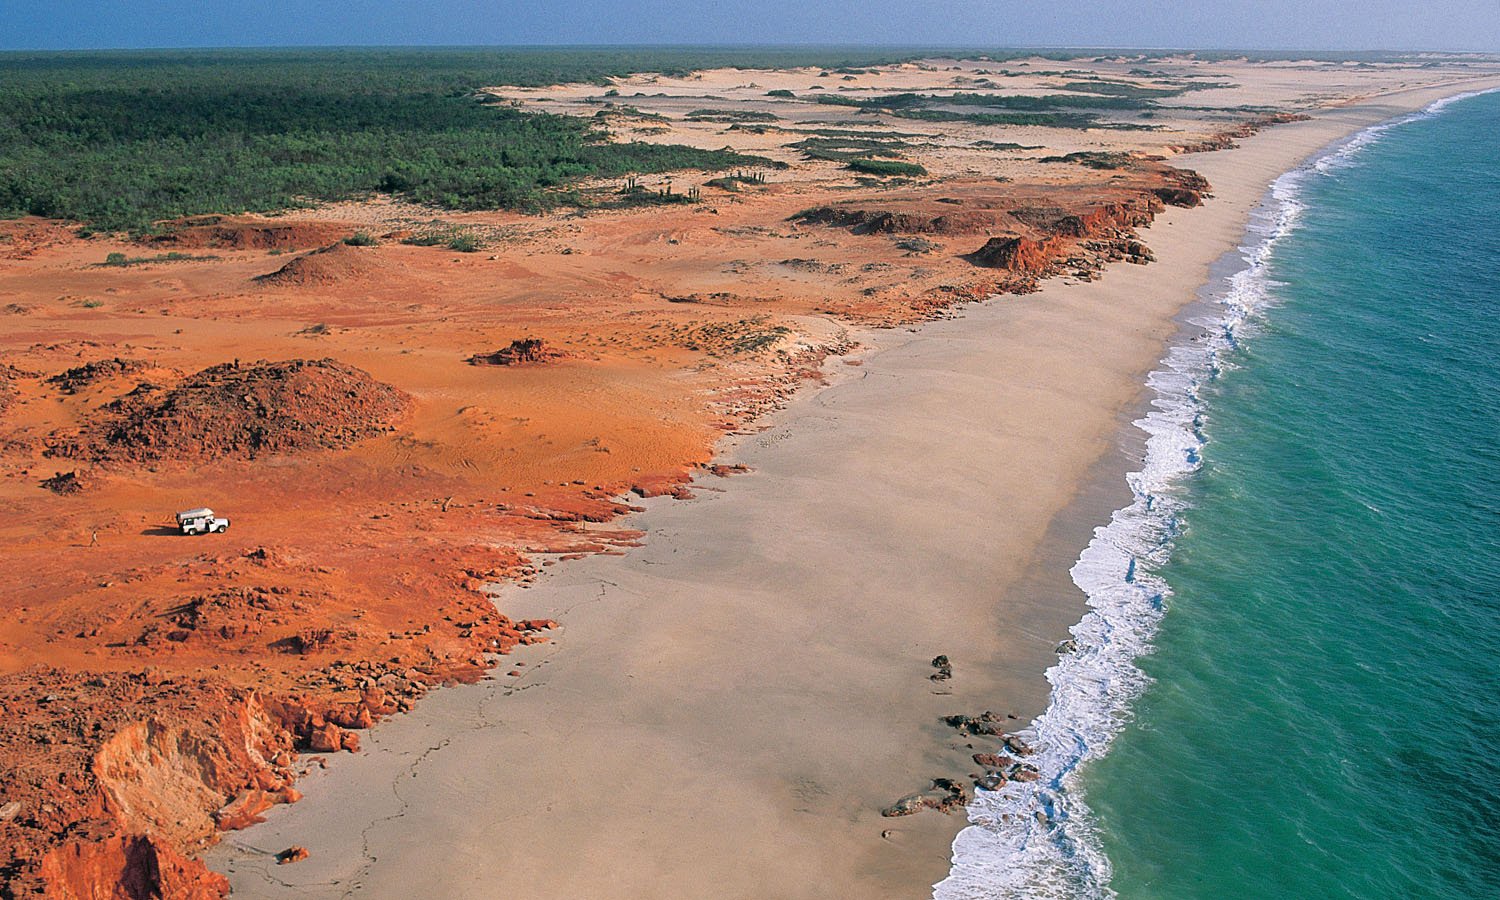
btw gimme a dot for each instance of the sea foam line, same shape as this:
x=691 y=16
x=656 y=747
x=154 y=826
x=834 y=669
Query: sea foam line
x=1038 y=839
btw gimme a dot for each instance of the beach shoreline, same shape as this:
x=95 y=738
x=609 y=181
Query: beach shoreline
x=735 y=734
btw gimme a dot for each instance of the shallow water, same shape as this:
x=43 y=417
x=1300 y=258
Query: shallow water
x=1293 y=653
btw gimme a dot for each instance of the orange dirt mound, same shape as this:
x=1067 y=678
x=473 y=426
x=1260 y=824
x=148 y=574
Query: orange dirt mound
x=334 y=264
x=223 y=232
x=231 y=410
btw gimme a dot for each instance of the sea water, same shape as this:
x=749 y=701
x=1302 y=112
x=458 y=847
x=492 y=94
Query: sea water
x=1288 y=683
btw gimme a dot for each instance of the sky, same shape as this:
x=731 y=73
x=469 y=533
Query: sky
x=1200 y=24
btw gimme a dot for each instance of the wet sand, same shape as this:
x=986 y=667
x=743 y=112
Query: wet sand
x=727 y=708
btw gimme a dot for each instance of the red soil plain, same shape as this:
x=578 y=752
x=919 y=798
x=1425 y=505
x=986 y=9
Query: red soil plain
x=391 y=428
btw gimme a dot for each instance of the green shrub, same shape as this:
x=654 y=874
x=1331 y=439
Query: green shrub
x=361 y=239
x=885 y=167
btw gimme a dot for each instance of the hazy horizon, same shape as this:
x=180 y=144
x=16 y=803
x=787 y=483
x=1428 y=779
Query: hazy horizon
x=1217 y=25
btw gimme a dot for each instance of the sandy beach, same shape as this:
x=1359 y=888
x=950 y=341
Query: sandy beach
x=725 y=710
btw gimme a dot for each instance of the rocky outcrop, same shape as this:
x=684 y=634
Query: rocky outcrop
x=1027 y=242
x=945 y=795
x=64 y=483
x=1014 y=254
x=986 y=723
x=523 y=351
x=1226 y=139
x=1178 y=196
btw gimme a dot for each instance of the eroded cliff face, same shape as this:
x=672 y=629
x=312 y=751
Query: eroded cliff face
x=137 y=794
x=115 y=805
x=126 y=867
x=182 y=780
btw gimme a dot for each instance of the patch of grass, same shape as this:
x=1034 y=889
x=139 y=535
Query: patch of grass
x=730 y=338
x=120 y=260
x=454 y=237
x=846 y=149
x=1005 y=145
x=855 y=133
x=731 y=115
x=361 y=239
x=781 y=93
x=894 y=103
x=1129 y=91
x=620 y=110
x=1049 y=120
x=1094 y=159
x=860 y=143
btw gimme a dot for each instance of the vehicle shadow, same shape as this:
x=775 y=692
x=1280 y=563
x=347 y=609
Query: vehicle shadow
x=161 y=530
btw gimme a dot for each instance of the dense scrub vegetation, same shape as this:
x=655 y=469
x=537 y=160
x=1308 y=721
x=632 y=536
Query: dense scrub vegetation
x=1020 y=102
x=1054 y=110
x=120 y=140
x=885 y=167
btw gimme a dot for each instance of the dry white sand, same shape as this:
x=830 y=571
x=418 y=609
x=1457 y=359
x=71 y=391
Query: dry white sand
x=727 y=708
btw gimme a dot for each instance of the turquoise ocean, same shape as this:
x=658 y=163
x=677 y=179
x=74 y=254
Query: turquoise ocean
x=1288 y=683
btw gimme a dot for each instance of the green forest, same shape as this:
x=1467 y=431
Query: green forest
x=119 y=140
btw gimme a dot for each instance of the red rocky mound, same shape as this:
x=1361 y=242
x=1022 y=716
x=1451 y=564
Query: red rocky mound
x=78 y=377
x=335 y=264
x=242 y=411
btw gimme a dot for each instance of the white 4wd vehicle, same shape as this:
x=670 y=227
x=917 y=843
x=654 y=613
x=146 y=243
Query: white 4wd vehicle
x=200 y=521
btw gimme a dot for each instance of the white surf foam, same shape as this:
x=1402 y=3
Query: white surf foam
x=1038 y=840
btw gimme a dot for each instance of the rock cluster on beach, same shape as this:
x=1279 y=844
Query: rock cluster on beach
x=946 y=794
